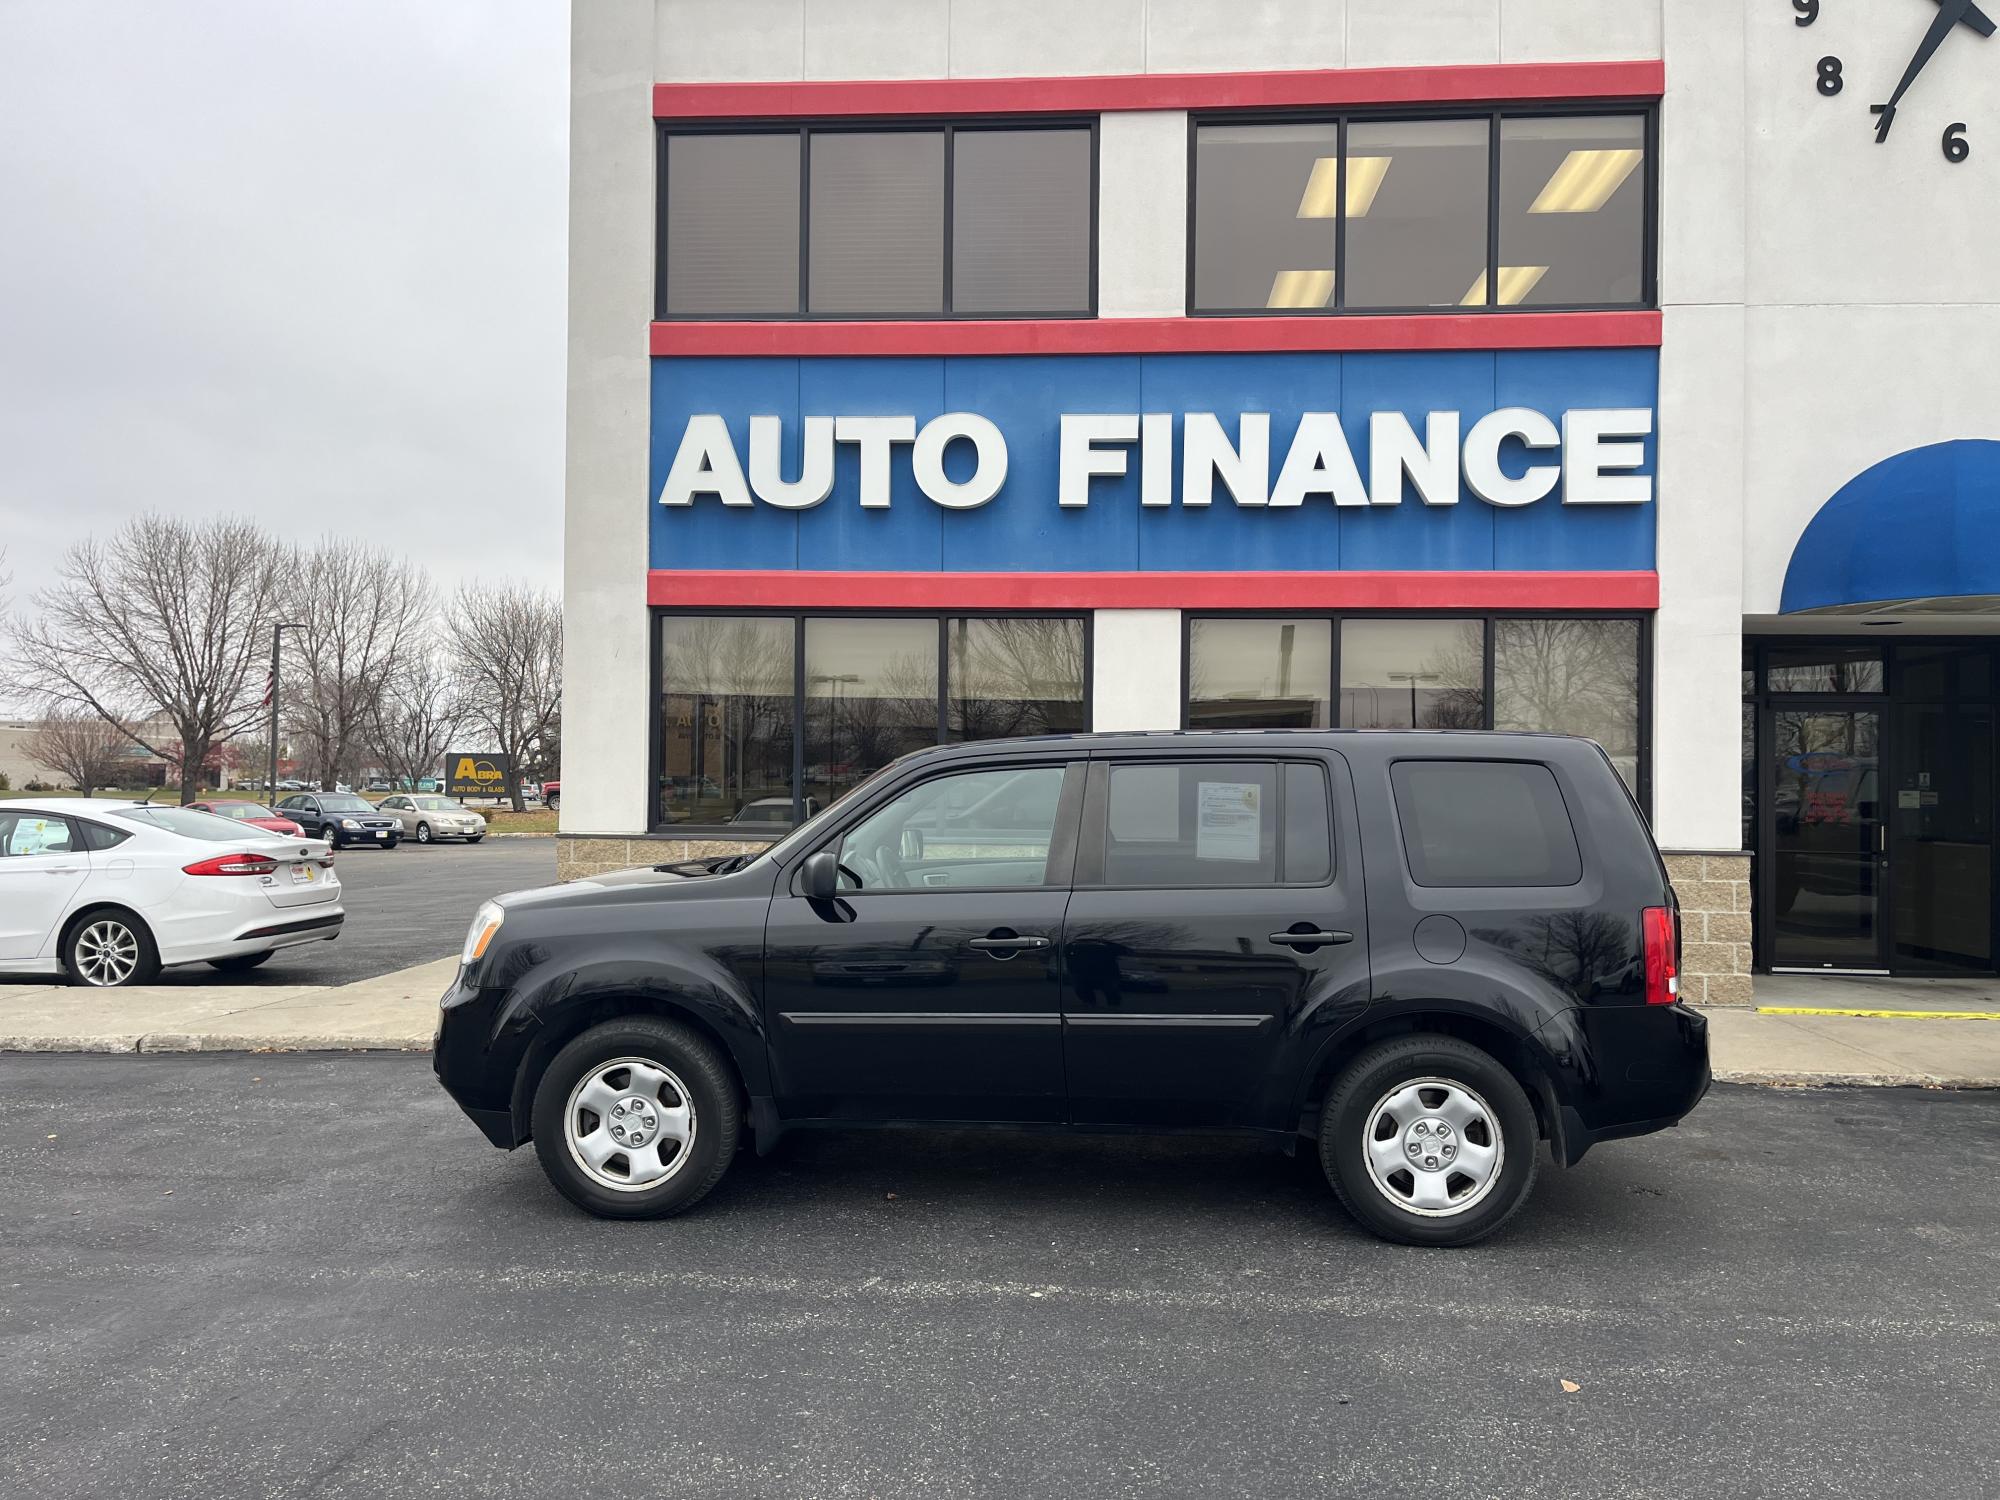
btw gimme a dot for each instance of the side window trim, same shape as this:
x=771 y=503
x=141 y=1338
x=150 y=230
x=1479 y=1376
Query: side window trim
x=1092 y=845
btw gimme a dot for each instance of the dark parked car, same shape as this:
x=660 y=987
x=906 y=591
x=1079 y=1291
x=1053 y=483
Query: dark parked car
x=342 y=819
x=1426 y=953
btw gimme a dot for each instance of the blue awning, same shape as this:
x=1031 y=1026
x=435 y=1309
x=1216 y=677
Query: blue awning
x=1922 y=525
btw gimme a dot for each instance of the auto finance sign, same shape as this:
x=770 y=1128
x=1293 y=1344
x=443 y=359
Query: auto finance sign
x=1531 y=460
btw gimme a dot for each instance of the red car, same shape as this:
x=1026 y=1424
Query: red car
x=251 y=812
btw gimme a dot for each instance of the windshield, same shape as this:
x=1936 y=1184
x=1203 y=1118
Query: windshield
x=809 y=830
x=345 y=804
x=435 y=804
x=243 y=810
x=190 y=824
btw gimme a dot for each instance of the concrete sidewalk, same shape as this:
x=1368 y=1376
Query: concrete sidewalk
x=399 y=1012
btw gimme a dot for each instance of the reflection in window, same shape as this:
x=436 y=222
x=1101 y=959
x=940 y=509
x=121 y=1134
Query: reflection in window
x=877 y=235
x=984 y=829
x=1259 y=674
x=1422 y=240
x=1573 y=210
x=1825 y=669
x=726 y=719
x=871 y=695
x=735 y=252
x=1020 y=231
x=1014 y=677
x=1568 y=676
x=1203 y=824
x=1265 y=212
x=1412 y=674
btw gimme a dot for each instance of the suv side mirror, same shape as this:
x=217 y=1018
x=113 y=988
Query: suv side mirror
x=819 y=876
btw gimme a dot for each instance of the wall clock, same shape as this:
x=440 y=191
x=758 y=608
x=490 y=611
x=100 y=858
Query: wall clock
x=1953 y=18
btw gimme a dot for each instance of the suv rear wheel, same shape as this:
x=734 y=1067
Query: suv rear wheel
x=1429 y=1141
x=636 y=1119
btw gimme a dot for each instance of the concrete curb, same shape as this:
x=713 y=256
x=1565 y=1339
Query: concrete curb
x=167 y=1041
x=1807 y=1080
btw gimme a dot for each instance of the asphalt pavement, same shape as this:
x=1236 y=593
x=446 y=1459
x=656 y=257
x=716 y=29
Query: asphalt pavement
x=239 y=1275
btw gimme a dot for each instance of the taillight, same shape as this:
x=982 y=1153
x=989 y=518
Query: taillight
x=1663 y=959
x=233 y=864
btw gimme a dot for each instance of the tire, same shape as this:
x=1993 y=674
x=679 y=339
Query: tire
x=390 y=843
x=1480 y=1103
x=240 y=963
x=473 y=838
x=94 y=945
x=423 y=833
x=695 y=1073
x=553 y=803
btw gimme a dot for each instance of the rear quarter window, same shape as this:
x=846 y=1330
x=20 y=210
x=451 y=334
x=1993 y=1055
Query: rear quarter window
x=1484 y=823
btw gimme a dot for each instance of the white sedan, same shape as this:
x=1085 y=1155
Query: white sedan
x=110 y=893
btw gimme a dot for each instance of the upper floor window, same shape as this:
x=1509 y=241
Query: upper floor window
x=1482 y=212
x=878 y=222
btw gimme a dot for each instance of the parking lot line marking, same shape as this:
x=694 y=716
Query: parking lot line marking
x=1882 y=1015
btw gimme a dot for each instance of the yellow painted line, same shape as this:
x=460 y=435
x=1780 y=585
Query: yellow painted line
x=1887 y=1015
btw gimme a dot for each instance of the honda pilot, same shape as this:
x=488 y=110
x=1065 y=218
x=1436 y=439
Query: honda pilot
x=1429 y=955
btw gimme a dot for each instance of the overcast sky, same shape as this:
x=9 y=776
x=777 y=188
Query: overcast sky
x=296 y=259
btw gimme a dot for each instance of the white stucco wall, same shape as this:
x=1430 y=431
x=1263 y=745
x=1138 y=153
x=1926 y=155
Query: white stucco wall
x=1135 y=669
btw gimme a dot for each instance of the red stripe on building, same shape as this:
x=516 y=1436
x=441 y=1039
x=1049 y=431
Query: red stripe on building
x=1429 y=331
x=1486 y=83
x=786 y=589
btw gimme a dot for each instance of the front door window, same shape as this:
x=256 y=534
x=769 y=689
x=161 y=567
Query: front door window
x=1829 y=838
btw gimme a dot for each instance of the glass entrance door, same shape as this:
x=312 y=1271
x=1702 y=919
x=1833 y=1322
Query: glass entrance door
x=1941 y=836
x=1829 y=841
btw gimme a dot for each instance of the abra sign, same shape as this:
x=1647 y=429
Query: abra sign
x=478 y=774
x=1592 y=455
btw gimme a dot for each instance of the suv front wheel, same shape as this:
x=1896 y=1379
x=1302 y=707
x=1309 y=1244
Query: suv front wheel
x=1429 y=1141
x=636 y=1119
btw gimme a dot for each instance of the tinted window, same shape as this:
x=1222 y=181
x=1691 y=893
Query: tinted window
x=1265 y=216
x=1413 y=674
x=726 y=716
x=97 y=836
x=1308 y=835
x=871 y=695
x=1484 y=823
x=1020 y=234
x=732 y=238
x=1421 y=241
x=34 y=833
x=1259 y=674
x=977 y=830
x=1826 y=669
x=877 y=234
x=1191 y=825
x=1015 y=676
x=1567 y=676
x=1573 y=209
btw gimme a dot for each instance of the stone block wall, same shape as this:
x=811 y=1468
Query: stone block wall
x=1714 y=892
x=580 y=856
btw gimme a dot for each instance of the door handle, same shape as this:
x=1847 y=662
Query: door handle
x=1305 y=942
x=63 y=870
x=1005 y=947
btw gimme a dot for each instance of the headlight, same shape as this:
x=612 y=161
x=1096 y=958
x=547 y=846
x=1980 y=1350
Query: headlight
x=349 y=823
x=485 y=922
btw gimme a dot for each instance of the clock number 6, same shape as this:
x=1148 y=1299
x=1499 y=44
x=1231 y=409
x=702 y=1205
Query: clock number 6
x=1808 y=12
x=1956 y=146
x=1830 y=82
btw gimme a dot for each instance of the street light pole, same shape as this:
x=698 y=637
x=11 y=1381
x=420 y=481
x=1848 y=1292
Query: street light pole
x=277 y=639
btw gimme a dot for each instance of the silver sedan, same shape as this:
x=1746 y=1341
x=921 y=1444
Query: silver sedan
x=427 y=818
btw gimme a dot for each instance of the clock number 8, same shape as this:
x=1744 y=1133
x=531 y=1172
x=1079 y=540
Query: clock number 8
x=1808 y=12
x=1830 y=82
x=1956 y=146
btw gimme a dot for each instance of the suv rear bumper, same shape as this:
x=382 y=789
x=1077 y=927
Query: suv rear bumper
x=1628 y=1070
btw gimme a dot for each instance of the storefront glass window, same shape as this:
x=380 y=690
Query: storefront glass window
x=737 y=252
x=1569 y=676
x=1266 y=204
x=1824 y=669
x=877 y=238
x=1404 y=674
x=1014 y=676
x=1260 y=674
x=871 y=695
x=1421 y=241
x=1573 y=209
x=726 y=719
x=1020 y=234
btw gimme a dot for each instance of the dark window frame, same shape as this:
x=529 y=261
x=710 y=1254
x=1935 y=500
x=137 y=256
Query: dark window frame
x=1649 y=276
x=804 y=131
x=772 y=833
x=1643 y=793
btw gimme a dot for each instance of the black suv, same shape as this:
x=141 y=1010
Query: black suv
x=1427 y=952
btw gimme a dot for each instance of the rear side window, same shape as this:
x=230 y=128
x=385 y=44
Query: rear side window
x=1484 y=823
x=98 y=836
x=1214 y=823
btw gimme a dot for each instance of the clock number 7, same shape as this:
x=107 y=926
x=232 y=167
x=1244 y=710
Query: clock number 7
x=1808 y=12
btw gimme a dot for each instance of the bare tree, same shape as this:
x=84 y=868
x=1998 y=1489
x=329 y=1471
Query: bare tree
x=166 y=620
x=507 y=663
x=362 y=612
x=415 y=717
x=81 y=748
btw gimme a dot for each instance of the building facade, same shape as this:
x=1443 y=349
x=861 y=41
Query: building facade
x=968 y=368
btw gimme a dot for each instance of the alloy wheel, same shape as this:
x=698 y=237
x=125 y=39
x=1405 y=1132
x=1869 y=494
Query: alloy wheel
x=107 y=952
x=1433 y=1147
x=629 y=1124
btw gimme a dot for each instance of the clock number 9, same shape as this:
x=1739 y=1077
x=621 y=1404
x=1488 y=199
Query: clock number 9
x=1808 y=12
x=1830 y=81
x=1956 y=146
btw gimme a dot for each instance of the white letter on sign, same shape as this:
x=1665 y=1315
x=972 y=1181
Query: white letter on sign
x=988 y=474
x=1587 y=454
x=705 y=464
x=1482 y=456
x=1320 y=463
x=815 y=481
x=874 y=436
x=1207 y=455
x=1080 y=460
x=1393 y=451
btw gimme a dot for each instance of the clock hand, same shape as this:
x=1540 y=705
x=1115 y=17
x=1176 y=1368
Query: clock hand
x=1950 y=14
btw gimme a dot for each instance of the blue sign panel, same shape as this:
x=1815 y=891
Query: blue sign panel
x=1533 y=461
